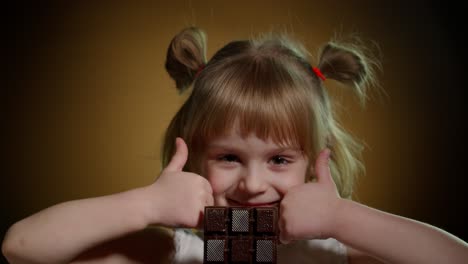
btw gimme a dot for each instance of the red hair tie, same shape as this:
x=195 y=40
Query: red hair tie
x=319 y=73
x=199 y=70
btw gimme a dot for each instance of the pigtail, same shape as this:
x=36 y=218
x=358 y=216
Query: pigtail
x=351 y=64
x=185 y=56
x=354 y=65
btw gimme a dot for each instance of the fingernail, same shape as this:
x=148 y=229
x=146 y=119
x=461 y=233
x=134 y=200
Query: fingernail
x=284 y=242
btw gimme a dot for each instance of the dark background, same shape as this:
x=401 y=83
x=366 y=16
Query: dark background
x=86 y=98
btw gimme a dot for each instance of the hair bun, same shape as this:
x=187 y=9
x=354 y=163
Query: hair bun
x=185 y=55
x=350 y=64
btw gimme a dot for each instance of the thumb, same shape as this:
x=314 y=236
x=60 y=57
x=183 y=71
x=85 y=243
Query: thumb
x=180 y=156
x=282 y=233
x=283 y=240
x=322 y=168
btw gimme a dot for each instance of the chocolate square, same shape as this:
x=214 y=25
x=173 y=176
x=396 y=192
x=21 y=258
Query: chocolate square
x=241 y=250
x=266 y=220
x=215 y=251
x=265 y=251
x=215 y=219
x=240 y=219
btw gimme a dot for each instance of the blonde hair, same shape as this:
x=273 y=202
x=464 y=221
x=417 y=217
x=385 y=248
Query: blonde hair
x=265 y=86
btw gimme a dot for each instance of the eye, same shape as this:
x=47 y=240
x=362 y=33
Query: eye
x=279 y=160
x=228 y=158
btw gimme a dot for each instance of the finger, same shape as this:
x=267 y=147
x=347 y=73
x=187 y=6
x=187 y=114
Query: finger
x=322 y=168
x=209 y=200
x=179 y=159
x=282 y=237
x=207 y=187
x=201 y=217
x=283 y=240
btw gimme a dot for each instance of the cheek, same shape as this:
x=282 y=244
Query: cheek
x=218 y=185
x=293 y=178
x=286 y=183
x=220 y=180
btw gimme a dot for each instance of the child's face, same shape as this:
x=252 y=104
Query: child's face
x=250 y=171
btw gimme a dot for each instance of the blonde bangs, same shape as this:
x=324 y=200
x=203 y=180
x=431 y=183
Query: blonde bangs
x=254 y=96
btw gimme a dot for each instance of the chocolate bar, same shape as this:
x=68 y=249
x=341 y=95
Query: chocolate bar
x=240 y=235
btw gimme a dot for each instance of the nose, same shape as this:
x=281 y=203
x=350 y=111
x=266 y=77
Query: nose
x=253 y=180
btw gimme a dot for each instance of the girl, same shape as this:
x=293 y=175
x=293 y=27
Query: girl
x=257 y=130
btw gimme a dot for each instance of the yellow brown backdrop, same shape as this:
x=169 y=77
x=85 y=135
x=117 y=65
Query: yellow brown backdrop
x=87 y=98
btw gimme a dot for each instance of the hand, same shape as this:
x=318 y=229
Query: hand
x=307 y=211
x=179 y=198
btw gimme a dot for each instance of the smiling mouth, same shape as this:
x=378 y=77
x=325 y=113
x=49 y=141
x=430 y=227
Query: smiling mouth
x=235 y=203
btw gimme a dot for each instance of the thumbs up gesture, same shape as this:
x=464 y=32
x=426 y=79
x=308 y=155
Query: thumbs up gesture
x=178 y=198
x=307 y=210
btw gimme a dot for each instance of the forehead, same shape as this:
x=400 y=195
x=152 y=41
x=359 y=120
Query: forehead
x=235 y=137
x=252 y=100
